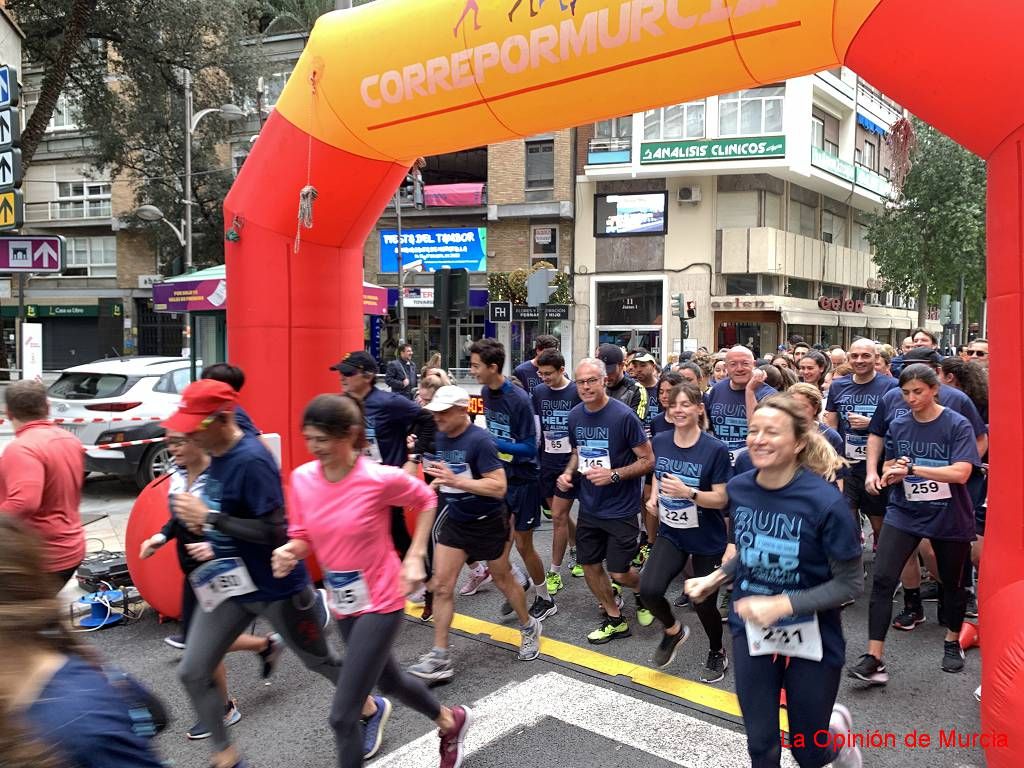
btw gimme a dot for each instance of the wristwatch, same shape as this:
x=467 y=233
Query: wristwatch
x=615 y=477
x=211 y=520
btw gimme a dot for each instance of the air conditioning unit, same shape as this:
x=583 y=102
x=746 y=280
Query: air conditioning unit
x=688 y=195
x=872 y=298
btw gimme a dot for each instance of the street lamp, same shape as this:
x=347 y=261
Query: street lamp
x=152 y=213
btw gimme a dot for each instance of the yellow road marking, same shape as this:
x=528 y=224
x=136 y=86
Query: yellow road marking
x=698 y=693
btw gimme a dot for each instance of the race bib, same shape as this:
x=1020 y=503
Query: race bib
x=557 y=442
x=677 y=513
x=216 y=581
x=348 y=592
x=732 y=458
x=372 y=450
x=457 y=469
x=857 y=447
x=594 y=458
x=918 y=489
x=798 y=637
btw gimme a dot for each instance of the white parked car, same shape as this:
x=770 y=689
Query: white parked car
x=120 y=400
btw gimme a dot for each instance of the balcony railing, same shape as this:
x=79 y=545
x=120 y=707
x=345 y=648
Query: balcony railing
x=831 y=163
x=67 y=210
x=868 y=179
x=606 y=151
x=408 y=198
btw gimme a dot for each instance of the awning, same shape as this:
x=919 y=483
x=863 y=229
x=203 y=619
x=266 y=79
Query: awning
x=850 y=320
x=879 y=322
x=375 y=299
x=870 y=125
x=453 y=195
x=796 y=317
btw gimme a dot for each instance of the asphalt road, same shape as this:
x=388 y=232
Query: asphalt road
x=578 y=705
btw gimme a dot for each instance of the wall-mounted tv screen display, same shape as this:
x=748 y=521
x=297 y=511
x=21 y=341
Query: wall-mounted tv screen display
x=618 y=215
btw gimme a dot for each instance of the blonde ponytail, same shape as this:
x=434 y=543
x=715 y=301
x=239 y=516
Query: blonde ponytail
x=817 y=455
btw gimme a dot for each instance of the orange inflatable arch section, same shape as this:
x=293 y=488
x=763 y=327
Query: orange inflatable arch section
x=382 y=84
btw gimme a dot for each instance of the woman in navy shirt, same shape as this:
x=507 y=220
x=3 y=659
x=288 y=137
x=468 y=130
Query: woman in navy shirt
x=691 y=469
x=798 y=559
x=930 y=453
x=662 y=422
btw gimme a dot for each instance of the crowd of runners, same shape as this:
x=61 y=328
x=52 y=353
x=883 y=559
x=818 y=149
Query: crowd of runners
x=749 y=489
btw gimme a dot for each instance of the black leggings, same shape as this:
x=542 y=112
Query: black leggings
x=894 y=547
x=667 y=561
x=399 y=533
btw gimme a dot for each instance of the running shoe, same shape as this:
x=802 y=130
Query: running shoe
x=476 y=580
x=977 y=693
x=610 y=629
x=575 y=568
x=428 y=607
x=176 y=641
x=666 y=650
x=373 y=727
x=546 y=512
x=870 y=670
x=909 y=619
x=617 y=594
x=529 y=644
x=714 y=667
x=542 y=608
x=433 y=666
x=417 y=597
x=682 y=601
x=270 y=655
x=231 y=716
x=952 y=656
x=724 y=600
x=930 y=591
x=641 y=556
x=506 y=607
x=971 y=608
x=554 y=582
x=841 y=724
x=323 y=608
x=451 y=740
x=643 y=616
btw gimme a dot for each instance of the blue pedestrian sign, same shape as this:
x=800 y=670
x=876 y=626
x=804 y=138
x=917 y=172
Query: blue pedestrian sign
x=8 y=86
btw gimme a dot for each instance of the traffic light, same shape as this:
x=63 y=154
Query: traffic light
x=678 y=305
x=691 y=309
x=944 y=309
x=451 y=289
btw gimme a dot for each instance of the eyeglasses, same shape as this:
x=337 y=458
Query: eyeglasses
x=593 y=380
x=975 y=353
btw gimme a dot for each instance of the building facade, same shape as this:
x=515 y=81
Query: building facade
x=752 y=205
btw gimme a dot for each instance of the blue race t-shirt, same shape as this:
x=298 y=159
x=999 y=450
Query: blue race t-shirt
x=846 y=396
x=389 y=419
x=608 y=435
x=700 y=466
x=509 y=415
x=246 y=483
x=927 y=508
x=727 y=412
x=744 y=463
x=893 y=406
x=244 y=422
x=472 y=451
x=527 y=375
x=553 y=406
x=662 y=424
x=654 y=411
x=785 y=539
x=88 y=722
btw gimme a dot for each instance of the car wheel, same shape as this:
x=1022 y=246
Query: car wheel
x=155 y=462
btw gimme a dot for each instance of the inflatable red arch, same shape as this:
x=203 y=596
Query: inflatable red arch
x=382 y=84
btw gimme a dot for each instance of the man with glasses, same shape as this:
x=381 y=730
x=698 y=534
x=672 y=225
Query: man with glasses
x=390 y=419
x=611 y=454
x=977 y=352
x=726 y=401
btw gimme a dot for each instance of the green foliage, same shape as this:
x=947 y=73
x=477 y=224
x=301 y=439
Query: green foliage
x=935 y=231
x=511 y=286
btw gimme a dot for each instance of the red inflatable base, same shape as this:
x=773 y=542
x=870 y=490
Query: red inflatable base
x=159 y=579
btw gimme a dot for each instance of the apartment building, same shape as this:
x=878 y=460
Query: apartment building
x=750 y=204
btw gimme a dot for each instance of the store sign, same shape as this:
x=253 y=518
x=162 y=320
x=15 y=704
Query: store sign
x=840 y=305
x=741 y=302
x=435 y=248
x=706 y=150
x=543 y=235
x=551 y=312
x=417 y=297
x=191 y=296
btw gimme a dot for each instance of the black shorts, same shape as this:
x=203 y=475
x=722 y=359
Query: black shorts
x=549 y=485
x=523 y=500
x=481 y=540
x=614 y=541
x=860 y=499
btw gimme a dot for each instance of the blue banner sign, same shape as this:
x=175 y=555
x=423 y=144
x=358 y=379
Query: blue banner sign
x=428 y=250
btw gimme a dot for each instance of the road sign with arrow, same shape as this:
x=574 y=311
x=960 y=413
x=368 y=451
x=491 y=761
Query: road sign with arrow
x=10 y=128
x=12 y=209
x=31 y=253
x=8 y=86
x=10 y=168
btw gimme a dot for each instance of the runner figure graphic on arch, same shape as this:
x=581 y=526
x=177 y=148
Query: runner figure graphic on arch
x=470 y=6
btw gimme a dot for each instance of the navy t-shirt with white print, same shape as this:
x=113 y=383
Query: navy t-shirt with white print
x=527 y=375
x=893 y=406
x=935 y=510
x=702 y=465
x=654 y=411
x=472 y=451
x=612 y=432
x=389 y=419
x=508 y=412
x=727 y=412
x=553 y=407
x=661 y=424
x=846 y=396
x=785 y=538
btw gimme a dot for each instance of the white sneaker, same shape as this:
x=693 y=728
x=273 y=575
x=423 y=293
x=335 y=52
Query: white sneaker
x=977 y=693
x=476 y=580
x=841 y=724
x=419 y=597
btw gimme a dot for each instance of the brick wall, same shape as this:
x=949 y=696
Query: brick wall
x=506 y=172
x=135 y=256
x=584 y=134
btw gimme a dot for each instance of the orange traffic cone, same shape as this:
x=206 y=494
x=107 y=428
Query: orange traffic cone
x=969 y=635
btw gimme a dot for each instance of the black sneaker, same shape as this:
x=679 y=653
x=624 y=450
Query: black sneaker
x=952 y=656
x=930 y=591
x=506 y=607
x=971 y=608
x=231 y=716
x=870 y=670
x=909 y=619
x=714 y=667
x=682 y=601
x=668 y=646
x=542 y=608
